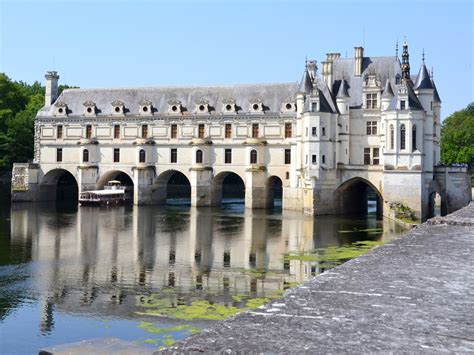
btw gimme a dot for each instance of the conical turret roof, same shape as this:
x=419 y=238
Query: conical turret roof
x=387 y=91
x=342 y=92
x=423 y=80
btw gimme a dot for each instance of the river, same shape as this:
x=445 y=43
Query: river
x=156 y=274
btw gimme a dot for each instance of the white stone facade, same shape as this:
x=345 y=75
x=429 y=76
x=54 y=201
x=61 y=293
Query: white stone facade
x=365 y=122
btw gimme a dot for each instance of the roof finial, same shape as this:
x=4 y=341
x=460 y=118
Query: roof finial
x=396 y=48
x=423 y=56
x=431 y=73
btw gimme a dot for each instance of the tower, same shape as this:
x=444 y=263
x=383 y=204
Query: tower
x=405 y=63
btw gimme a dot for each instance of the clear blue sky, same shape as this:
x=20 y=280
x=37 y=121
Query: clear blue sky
x=146 y=43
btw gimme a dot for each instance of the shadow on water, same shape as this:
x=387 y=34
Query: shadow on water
x=155 y=274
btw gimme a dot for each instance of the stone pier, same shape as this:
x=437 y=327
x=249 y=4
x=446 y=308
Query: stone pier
x=414 y=294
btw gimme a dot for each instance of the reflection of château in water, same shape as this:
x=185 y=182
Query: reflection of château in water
x=103 y=261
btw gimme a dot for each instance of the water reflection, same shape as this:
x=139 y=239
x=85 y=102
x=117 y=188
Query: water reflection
x=104 y=262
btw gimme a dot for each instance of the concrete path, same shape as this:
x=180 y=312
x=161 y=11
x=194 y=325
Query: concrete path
x=413 y=294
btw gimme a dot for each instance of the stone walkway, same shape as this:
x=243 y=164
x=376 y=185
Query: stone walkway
x=415 y=294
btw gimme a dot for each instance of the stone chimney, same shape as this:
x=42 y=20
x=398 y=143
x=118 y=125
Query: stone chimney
x=327 y=70
x=358 y=58
x=51 y=95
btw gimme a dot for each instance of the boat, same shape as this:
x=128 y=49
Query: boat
x=112 y=194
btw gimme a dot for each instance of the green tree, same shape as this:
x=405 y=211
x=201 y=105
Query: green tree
x=457 y=137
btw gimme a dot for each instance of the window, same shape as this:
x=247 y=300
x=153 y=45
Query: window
x=88 y=131
x=402 y=137
x=392 y=137
x=253 y=156
x=59 y=154
x=287 y=176
x=314 y=131
x=199 y=156
x=367 y=156
x=413 y=138
x=226 y=259
x=375 y=156
x=306 y=132
x=314 y=107
x=371 y=128
x=142 y=156
x=59 y=132
x=255 y=130
x=288 y=130
x=287 y=156
x=116 y=155
x=371 y=101
x=228 y=156
x=397 y=79
x=323 y=131
x=85 y=156
x=117 y=131
x=145 y=131
x=174 y=131
x=323 y=159
x=201 y=131
x=174 y=155
x=314 y=159
x=402 y=105
x=228 y=130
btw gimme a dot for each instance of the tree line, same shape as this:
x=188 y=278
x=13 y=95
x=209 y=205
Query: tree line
x=20 y=102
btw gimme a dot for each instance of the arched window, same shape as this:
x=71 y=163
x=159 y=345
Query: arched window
x=402 y=137
x=253 y=156
x=85 y=156
x=142 y=156
x=392 y=137
x=413 y=138
x=199 y=156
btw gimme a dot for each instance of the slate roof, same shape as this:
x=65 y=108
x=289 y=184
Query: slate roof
x=423 y=80
x=272 y=96
x=342 y=91
x=436 y=97
x=387 y=91
x=413 y=102
x=384 y=67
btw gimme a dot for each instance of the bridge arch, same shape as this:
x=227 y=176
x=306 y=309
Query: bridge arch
x=228 y=186
x=358 y=196
x=174 y=186
x=274 y=191
x=60 y=185
x=121 y=176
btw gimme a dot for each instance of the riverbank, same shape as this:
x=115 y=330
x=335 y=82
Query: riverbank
x=410 y=295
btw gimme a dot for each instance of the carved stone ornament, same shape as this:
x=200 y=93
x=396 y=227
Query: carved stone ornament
x=229 y=101
x=174 y=102
x=89 y=104
x=145 y=103
x=202 y=101
x=60 y=104
x=256 y=100
x=117 y=103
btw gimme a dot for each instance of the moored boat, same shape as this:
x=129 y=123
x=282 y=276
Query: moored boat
x=112 y=194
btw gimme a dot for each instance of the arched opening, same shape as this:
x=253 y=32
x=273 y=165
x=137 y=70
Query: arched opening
x=85 y=156
x=59 y=185
x=402 y=137
x=413 y=138
x=199 y=156
x=253 y=156
x=392 y=137
x=173 y=188
x=142 y=156
x=228 y=188
x=274 y=192
x=124 y=178
x=359 y=197
x=437 y=206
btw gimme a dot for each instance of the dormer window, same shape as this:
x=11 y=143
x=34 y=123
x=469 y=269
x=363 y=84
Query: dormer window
x=117 y=107
x=61 y=108
x=256 y=105
x=145 y=108
x=175 y=107
x=397 y=79
x=202 y=106
x=288 y=106
x=89 y=108
x=228 y=106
